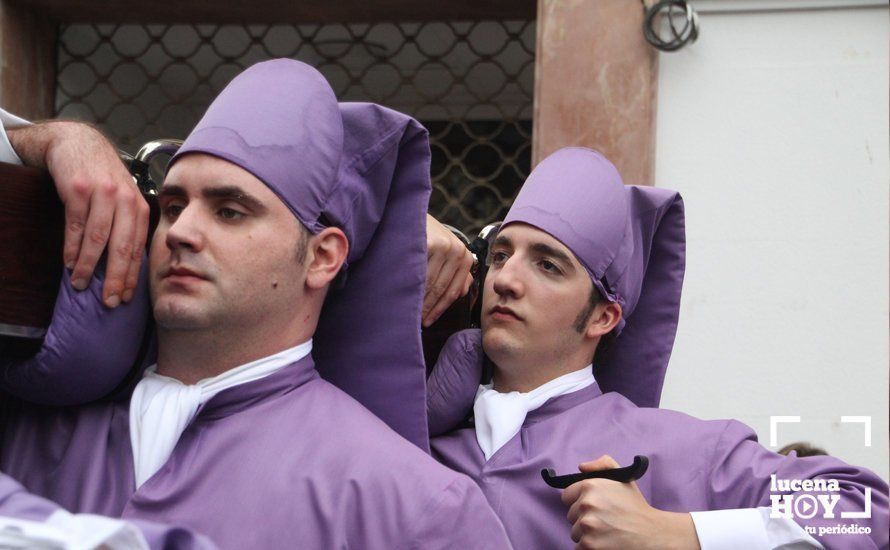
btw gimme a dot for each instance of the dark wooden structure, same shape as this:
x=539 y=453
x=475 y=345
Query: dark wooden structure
x=31 y=234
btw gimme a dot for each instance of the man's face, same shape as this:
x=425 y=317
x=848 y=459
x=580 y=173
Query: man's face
x=225 y=252
x=534 y=292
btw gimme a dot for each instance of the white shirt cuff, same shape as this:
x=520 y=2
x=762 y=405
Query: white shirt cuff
x=65 y=531
x=749 y=529
x=9 y=120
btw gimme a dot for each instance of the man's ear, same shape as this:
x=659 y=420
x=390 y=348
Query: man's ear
x=604 y=318
x=325 y=255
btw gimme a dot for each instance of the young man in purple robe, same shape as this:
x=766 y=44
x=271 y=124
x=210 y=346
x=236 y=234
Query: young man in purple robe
x=581 y=259
x=283 y=216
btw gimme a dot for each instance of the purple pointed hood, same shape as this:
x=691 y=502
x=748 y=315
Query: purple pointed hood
x=362 y=168
x=632 y=242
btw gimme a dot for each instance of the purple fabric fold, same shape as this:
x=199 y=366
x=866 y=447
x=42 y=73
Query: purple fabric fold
x=368 y=340
x=635 y=363
x=88 y=349
x=454 y=380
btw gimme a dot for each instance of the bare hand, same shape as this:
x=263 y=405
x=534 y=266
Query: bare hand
x=609 y=514
x=102 y=205
x=448 y=275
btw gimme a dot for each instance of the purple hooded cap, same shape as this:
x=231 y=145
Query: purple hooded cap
x=362 y=168
x=632 y=242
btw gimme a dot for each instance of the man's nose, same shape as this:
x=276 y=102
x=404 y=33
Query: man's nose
x=508 y=279
x=186 y=230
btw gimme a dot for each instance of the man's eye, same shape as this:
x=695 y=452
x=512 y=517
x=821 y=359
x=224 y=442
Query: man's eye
x=172 y=210
x=497 y=258
x=550 y=267
x=230 y=214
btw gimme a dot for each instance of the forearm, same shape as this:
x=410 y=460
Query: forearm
x=38 y=145
x=31 y=143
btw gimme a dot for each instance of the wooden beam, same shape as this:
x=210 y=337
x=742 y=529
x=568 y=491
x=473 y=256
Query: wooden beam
x=278 y=11
x=27 y=61
x=596 y=82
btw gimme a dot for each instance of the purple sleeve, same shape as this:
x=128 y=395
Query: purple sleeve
x=17 y=503
x=746 y=475
x=88 y=349
x=452 y=385
x=460 y=518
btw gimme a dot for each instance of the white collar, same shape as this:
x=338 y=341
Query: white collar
x=162 y=407
x=499 y=416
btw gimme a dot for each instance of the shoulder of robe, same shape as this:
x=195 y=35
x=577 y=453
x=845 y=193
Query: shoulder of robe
x=361 y=433
x=678 y=425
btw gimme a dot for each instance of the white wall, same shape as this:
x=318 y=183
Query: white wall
x=774 y=126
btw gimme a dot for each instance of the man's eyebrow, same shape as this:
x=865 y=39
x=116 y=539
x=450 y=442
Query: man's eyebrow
x=558 y=255
x=171 y=191
x=235 y=193
x=502 y=241
x=230 y=192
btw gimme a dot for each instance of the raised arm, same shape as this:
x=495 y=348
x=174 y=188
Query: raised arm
x=102 y=205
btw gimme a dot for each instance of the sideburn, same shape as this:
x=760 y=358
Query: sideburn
x=584 y=316
x=302 y=244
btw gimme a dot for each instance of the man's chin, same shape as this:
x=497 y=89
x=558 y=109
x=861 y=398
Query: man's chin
x=497 y=342
x=175 y=315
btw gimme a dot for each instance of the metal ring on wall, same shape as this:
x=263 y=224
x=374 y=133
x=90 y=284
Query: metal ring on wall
x=677 y=36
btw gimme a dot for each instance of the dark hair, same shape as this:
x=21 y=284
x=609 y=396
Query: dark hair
x=581 y=320
x=302 y=243
x=802 y=448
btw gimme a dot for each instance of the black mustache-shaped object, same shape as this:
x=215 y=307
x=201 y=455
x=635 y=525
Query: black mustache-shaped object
x=623 y=475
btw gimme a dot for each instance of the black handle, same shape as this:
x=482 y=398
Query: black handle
x=623 y=475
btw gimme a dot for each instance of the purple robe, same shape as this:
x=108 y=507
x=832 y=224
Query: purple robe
x=694 y=465
x=285 y=461
x=16 y=502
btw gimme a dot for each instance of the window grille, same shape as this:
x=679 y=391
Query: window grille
x=469 y=83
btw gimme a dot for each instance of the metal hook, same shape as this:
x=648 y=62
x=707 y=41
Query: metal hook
x=680 y=37
x=140 y=164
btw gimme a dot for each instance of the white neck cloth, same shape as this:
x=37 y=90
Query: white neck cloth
x=499 y=416
x=162 y=407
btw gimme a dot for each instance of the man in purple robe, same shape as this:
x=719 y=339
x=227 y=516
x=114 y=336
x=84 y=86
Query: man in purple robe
x=582 y=261
x=282 y=218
